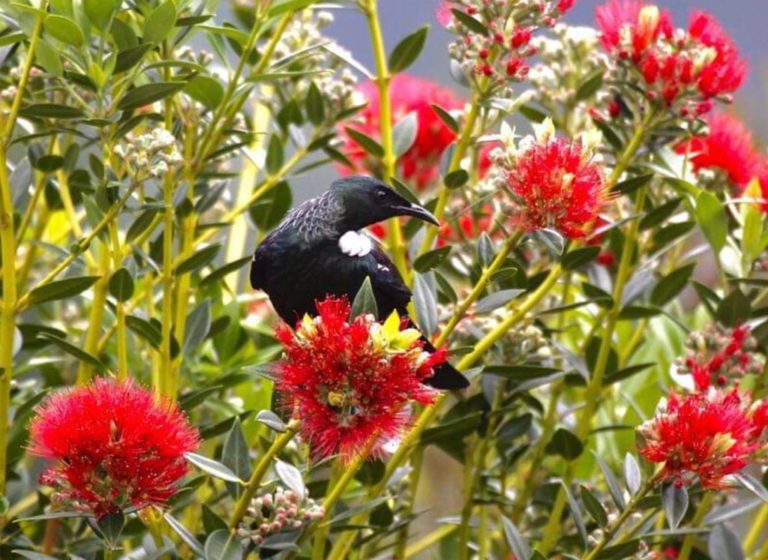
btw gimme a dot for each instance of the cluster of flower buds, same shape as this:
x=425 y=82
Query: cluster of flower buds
x=8 y=93
x=187 y=53
x=275 y=512
x=328 y=70
x=552 y=182
x=683 y=68
x=569 y=57
x=718 y=355
x=495 y=35
x=151 y=154
x=524 y=343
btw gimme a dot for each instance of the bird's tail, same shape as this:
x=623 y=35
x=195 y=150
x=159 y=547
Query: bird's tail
x=446 y=377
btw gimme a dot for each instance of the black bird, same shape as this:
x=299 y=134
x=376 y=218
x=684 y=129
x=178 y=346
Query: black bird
x=320 y=250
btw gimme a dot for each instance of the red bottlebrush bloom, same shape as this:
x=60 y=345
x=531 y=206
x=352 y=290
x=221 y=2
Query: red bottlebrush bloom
x=114 y=445
x=630 y=26
x=705 y=435
x=726 y=72
x=348 y=381
x=419 y=165
x=728 y=147
x=557 y=186
x=718 y=354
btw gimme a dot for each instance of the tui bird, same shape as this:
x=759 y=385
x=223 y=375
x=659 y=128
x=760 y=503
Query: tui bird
x=321 y=250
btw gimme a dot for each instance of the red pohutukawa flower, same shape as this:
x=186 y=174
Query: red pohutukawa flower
x=705 y=435
x=348 y=381
x=718 y=355
x=419 y=165
x=114 y=446
x=684 y=68
x=555 y=182
x=728 y=148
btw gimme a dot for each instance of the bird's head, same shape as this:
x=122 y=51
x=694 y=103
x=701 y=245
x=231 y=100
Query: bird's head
x=366 y=201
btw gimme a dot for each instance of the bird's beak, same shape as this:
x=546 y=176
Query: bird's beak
x=417 y=212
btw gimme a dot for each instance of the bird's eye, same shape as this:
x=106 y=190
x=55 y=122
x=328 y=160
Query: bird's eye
x=381 y=194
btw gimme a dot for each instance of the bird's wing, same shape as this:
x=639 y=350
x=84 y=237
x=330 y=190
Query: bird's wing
x=388 y=286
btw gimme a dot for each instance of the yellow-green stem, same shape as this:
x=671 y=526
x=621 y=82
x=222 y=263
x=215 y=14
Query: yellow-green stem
x=96 y=316
x=261 y=468
x=121 y=331
x=417 y=461
x=389 y=159
x=758 y=529
x=430 y=539
x=321 y=534
x=8 y=253
x=698 y=518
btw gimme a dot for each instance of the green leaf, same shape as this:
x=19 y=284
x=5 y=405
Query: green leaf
x=456 y=179
x=632 y=475
x=275 y=155
x=73 y=350
x=64 y=29
x=48 y=57
x=723 y=544
x=734 y=309
x=288 y=6
x=148 y=93
x=121 y=285
x=130 y=57
x=496 y=300
x=753 y=485
x=551 y=239
x=367 y=143
x=146 y=330
x=613 y=484
x=30 y=555
x=272 y=207
x=565 y=443
x=431 y=259
x=711 y=217
x=197 y=326
x=579 y=257
x=206 y=90
x=160 y=23
x=485 y=250
x=222 y=272
x=140 y=225
x=590 y=86
x=426 y=304
x=408 y=50
x=212 y=467
x=51 y=111
x=235 y=455
x=223 y=545
x=404 y=134
x=593 y=506
x=61 y=289
x=365 y=300
x=291 y=477
x=675 y=502
x=188 y=538
x=517 y=543
x=315 y=105
x=578 y=519
x=271 y=420
x=198 y=259
x=446 y=117
x=469 y=22
x=100 y=12
x=111 y=526
x=671 y=285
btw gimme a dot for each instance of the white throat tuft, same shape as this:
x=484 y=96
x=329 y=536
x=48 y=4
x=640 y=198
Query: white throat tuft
x=355 y=244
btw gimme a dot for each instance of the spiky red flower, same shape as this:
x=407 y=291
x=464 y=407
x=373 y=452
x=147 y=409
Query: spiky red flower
x=348 y=381
x=631 y=26
x=684 y=68
x=728 y=147
x=726 y=72
x=115 y=446
x=557 y=185
x=706 y=435
x=419 y=165
x=718 y=355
